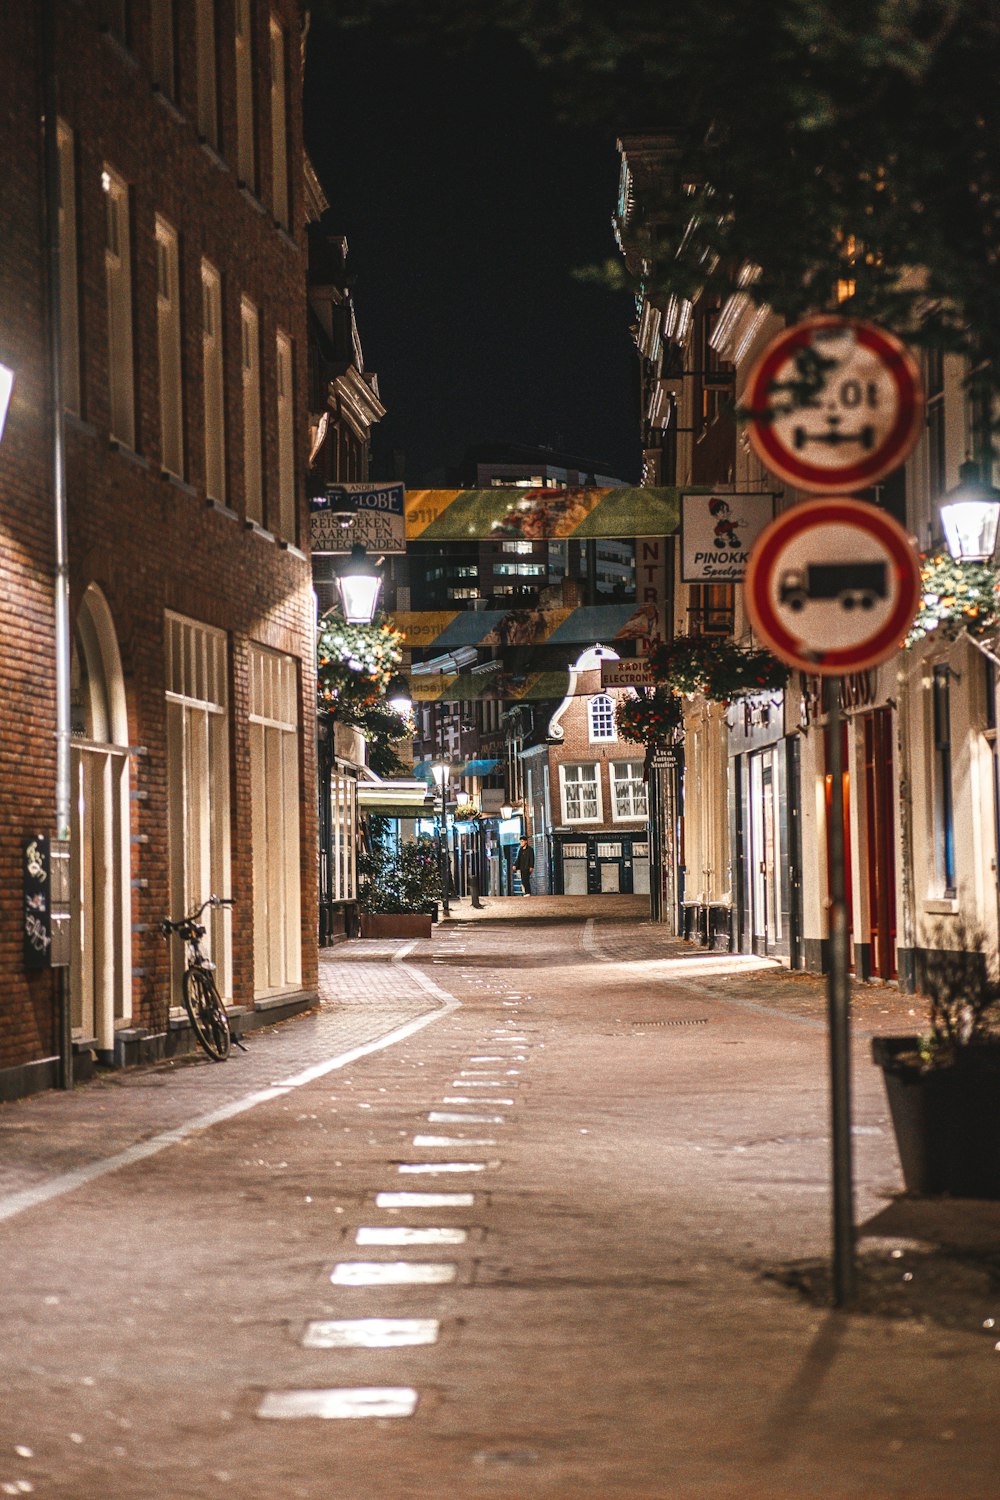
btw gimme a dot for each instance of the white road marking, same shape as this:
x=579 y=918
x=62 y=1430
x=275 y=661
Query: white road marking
x=370 y=1333
x=392 y=1273
x=361 y=1401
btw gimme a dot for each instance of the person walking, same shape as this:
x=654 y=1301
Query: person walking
x=524 y=864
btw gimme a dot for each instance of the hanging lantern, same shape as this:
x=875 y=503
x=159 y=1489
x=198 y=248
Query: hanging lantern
x=970 y=515
x=358 y=585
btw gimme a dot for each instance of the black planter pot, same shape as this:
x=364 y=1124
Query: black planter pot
x=947 y=1121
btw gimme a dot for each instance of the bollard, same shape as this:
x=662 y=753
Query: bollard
x=477 y=905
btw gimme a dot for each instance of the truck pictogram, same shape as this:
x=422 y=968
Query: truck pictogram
x=854 y=585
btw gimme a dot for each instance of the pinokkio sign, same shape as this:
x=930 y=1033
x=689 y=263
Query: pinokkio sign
x=718 y=532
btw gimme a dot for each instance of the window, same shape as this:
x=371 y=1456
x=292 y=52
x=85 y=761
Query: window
x=944 y=819
x=279 y=126
x=628 y=790
x=118 y=283
x=711 y=608
x=206 y=77
x=286 y=441
x=520 y=547
x=274 y=785
x=252 y=475
x=520 y=570
x=581 y=793
x=602 y=718
x=463 y=593
x=168 y=334
x=69 y=302
x=246 y=156
x=198 y=782
x=211 y=347
x=162 y=25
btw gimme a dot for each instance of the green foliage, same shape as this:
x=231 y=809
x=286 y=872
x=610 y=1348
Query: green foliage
x=720 y=669
x=964 y=1001
x=649 y=718
x=823 y=141
x=955 y=597
x=354 y=665
x=406 y=879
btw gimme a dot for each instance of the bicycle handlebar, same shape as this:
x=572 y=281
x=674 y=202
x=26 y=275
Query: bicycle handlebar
x=167 y=927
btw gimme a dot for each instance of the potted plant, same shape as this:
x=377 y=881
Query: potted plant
x=943 y=1086
x=398 y=889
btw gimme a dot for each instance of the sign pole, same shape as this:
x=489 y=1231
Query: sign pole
x=838 y=1010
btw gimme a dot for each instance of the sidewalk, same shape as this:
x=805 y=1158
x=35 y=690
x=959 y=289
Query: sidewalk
x=48 y=1134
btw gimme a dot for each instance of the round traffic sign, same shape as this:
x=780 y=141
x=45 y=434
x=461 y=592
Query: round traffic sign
x=832 y=586
x=834 y=404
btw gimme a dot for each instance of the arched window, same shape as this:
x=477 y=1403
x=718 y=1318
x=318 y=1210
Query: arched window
x=602 y=717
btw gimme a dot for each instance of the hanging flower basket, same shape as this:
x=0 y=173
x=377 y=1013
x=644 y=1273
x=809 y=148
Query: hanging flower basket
x=720 y=669
x=649 y=719
x=955 y=597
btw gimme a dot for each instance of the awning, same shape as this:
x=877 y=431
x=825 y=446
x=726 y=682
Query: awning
x=394 y=799
x=479 y=768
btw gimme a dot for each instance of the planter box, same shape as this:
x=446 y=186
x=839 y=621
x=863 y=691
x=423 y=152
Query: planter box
x=947 y=1121
x=409 y=924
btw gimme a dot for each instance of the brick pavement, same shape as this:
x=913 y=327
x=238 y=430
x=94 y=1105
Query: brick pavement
x=363 y=998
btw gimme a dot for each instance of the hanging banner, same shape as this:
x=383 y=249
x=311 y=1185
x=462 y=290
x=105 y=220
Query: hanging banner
x=347 y=514
x=443 y=630
x=717 y=533
x=539 y=514
x=502 y=687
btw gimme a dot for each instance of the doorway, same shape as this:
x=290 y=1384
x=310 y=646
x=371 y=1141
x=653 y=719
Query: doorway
x=100 y=916
x=880 y=866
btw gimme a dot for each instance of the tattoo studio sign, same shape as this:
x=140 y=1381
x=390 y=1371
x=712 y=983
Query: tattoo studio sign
x=717 y=533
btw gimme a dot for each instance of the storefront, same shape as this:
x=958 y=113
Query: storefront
x=764 y=820
x=601 y=863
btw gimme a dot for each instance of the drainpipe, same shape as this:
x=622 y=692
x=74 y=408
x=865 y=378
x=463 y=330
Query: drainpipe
x=60 y=850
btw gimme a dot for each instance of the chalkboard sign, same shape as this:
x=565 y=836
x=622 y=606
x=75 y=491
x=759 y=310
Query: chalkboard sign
x=37 y=902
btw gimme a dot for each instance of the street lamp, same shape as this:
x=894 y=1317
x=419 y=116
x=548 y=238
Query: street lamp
x=506 y=811
x=440 y=770
x=358 y=585
x=398 y=697
x=970 y=514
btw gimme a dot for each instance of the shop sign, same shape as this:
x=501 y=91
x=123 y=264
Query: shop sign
x=37 y=880
x=377 y=518
x=717 y=533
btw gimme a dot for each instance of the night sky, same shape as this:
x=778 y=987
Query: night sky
x=466 y=207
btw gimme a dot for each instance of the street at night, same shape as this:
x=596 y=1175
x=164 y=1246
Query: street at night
x=499 y=750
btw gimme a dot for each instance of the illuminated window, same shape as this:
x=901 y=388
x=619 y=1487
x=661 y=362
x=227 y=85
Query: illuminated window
x=274 y=795
x=212 y=373
x=168 y=338
x=581 y=793
x=252 y=469
x=286 y=440
x=279 y=126
x=118 y=284
x=246 y=156
x=602 y=718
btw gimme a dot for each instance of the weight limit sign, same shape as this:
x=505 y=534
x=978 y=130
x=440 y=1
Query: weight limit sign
x=834 y=404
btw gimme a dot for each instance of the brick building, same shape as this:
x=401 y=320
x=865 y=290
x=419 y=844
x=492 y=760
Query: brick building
x=155 y=653
x=583 y=792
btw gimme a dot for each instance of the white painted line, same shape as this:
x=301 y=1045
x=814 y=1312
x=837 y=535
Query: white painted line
x=397 y=1234
x=424 y=1200
x=467 y=1099
x=428 y=1168
x=370 y=1333
x=392 y=1273
x=482 y=1083
x=442 y=1117
x=362 y=1401
x=451 y=1141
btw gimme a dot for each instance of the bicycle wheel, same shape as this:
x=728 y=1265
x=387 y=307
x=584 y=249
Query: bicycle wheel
x=207 y=1014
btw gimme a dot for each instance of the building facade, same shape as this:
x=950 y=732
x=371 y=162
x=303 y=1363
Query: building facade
x=152 y=307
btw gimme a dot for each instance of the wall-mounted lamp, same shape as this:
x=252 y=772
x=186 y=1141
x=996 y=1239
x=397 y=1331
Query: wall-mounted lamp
x=6 y=386
x=970 y=515
x=397 y=696
x=507 y=812
x=358 y=585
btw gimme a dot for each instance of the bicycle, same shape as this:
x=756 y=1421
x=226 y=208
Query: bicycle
x=205 y=1009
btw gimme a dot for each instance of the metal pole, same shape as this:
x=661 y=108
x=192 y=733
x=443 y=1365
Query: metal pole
x=443 y=847
x=838 y=1011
